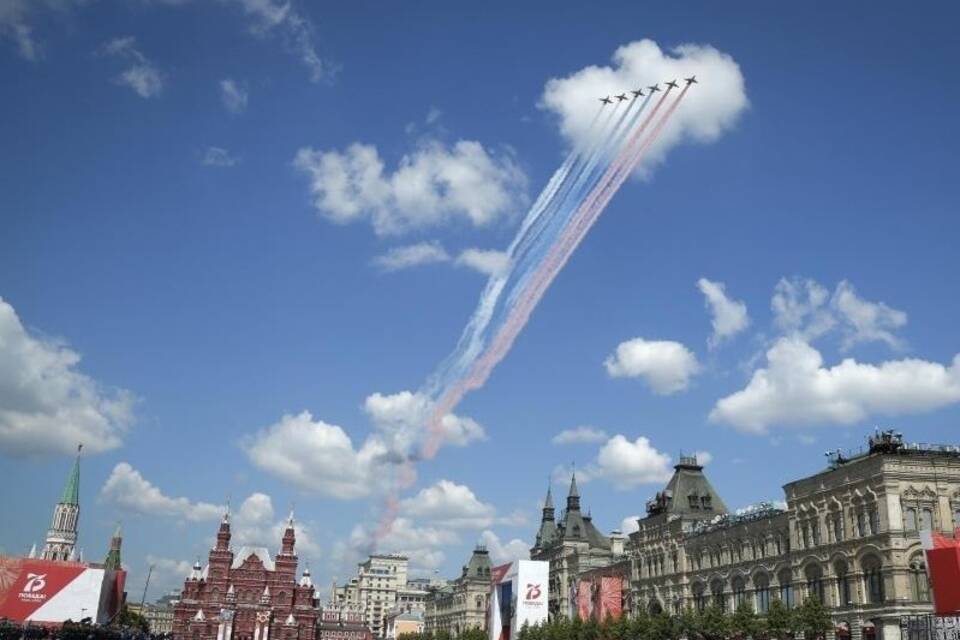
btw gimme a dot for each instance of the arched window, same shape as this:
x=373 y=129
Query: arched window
x=910 y=519
x=739 y=586
x=844 y=592
x=786 y=588
x=926 y=519
x=814 y=575
x=716 y=590
x=873 y=580
x=761 y=583
x=699 y=596
x=919 y=585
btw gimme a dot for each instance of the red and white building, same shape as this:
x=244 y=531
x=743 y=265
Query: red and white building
x=247 y=595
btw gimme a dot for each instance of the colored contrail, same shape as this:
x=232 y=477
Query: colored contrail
x=573 y=223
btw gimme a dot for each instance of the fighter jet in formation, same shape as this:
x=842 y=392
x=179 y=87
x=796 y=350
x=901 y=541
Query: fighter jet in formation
x=654 y=87
x=621 y=97
x=606 y=100
x=691 y=80
x=672 y=84
x=637 y=92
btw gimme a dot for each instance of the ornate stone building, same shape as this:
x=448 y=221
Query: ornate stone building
x=462 y=604
x=247 y=595
x=849 y=536
x=571 y=546
x=61 y=541
x=342 y=622
x=376 y=589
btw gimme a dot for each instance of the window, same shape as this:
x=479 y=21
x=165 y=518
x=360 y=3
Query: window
x=926 y=520
x=873 y=580
x=844 y=593
x=814 y=576
x=786 y=588
x=707 y=502
x=815 y=530
x=861 y=523
x=919 y=586
x=874 y=521
x=804 y=536
x=836 y=526
x=716 y=589
x=910 y=519
x=694 y=501
x=739 y=592
x=699 y=597
x=762 y=584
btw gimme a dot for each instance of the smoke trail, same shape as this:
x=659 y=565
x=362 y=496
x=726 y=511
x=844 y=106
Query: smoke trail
x=573 y=233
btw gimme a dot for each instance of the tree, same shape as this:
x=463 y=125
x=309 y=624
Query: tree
x=714 y=623
x=780 y=621
x=744 y=621
x=688 y=623
x=812 y=619
x=133 y=620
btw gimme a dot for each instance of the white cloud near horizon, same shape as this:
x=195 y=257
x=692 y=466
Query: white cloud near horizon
x=728 y=317
x=434 y=185
x=711 y=107
x=413 y=255
x=794 y=388
x=128 y=489
x=486 y=261
x=580 y=435
x=666 y=366
x=47 y=405
x=624 y=463
x=502 y=552
x=450 y=505
x=401 y=419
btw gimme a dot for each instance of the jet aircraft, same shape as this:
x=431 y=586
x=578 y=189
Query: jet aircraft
x=621 y=97
x=654 y=87
x=606 y=100
x=691 y=80
x=672 y=84
x=637 y=92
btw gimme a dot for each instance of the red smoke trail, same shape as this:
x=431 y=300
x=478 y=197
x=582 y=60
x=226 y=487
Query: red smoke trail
x=577 y=228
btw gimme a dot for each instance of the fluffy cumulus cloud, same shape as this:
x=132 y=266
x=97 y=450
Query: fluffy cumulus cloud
x=412 y=255
x=316 y=456
x=666 y=366
x=234 y=95
x=451 y=505
x=807 y=310
x=128 y=489
x=431 y=186
x=794 y=388
x=711 y=107
x=401 y=420
x=728 y=317
x=502 y=552
x=628 y=463
x=255 y=523
x=219 y=157
x=580 y=435
x=48 y=406
x=422 y=544
x=142 y=76
x=630 y=524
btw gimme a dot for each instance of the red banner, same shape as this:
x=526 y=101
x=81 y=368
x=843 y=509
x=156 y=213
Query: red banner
x=943 y=562
x=611 y=597
x=26 y=585
x=584 y=600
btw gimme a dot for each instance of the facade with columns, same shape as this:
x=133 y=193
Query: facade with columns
x=848 y=536
x=247 y=595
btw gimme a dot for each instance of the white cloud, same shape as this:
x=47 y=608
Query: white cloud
x=317 y=457
x=711 y=108
x=142 y=76
x=503 y=552
x=580 y=435
x=805 y=309
x=412 y=255
x=14 y=25
x=451 y=505
x=401 y=419
x=256 y=524
x=629 y=524
x=234 y=95
x=419 y=543
x=665 y=365
x=128 y=489
x=432 y=186
x=296 y=31
x=729 y=317
x=219 y=157
x=795 y=389
x=47 y=406
x=487 y=261
x=627 y=464
x=703 y=457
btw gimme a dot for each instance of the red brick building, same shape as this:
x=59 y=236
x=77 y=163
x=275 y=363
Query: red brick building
x=247 y=595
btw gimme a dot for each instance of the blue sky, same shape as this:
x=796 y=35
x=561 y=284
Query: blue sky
x=208 y=297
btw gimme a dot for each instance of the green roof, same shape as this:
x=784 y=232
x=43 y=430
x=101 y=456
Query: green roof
x=71 y=490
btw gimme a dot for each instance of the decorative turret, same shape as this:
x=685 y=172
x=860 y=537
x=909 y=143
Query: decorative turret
x=548 y=528
x=112 y=560
x=62 y=536
x=305 y=580
x=265 y=596
x=197 y=572
x=573 y=496
x=223 y=534
x=289 y=538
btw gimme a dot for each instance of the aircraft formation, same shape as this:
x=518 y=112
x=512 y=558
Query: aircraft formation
x=637 y=93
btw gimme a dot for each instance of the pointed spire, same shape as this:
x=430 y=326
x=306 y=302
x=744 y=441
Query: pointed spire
x=548 y=502
x=290 y=520
x=71 y=490
x=33 y=551
x=573 y=496
x=226 y=513
x=113 y=554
